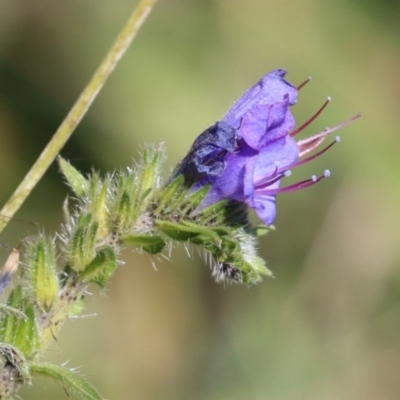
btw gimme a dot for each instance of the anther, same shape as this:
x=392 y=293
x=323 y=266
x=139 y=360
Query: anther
x=304 y=83
x=296 y=186
x=327 y=131
x=311 y=143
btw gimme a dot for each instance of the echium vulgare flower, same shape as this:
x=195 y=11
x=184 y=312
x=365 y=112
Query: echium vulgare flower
x=245 y=155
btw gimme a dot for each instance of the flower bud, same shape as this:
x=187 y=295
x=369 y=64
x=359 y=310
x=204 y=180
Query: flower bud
x=18 y=327
x=98 y=204
x=79 y=184
x=10 y=320
x=42 y=267
x=83 y=242
x=26 y=337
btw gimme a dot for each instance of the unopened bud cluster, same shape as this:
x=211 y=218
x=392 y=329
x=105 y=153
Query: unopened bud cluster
x=136 y=208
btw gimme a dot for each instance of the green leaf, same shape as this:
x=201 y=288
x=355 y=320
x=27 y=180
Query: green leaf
x=151 y=244
x=70 y=380
x=79 y=184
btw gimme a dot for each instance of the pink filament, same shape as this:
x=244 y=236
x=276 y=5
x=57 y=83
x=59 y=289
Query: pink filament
x=308 y=122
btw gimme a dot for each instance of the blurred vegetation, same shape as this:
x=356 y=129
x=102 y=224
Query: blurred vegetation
x=328 y=326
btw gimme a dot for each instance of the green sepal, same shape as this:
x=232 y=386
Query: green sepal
x=10 y=322
x=4 y=308
x=83 y=242
x=26 y=333
x=177 y=199
x=150 y=244
x=101 y=268
x=261 y=230
x=191 y=202
x=148 y=174
x=214 y=214
x=17 y=331
x=252 y=272
x=167 y=199
x=69 y=379
x=79 y=184
x=205 y=240
x=236 y=257
x=98 y=204
x=42 y=267
x=123 y=212
x=183 y=231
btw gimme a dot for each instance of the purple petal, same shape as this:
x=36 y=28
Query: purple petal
x=265 y=208
x=231 y=183
x=270 y=89
x=255 y=124
x=266 y=122
x=280 y=153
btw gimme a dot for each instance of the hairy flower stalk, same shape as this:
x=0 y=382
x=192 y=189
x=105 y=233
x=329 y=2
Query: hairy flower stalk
x=237 y=163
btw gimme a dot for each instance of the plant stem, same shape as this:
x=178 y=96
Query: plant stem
x=77 y=112
x=50 y=324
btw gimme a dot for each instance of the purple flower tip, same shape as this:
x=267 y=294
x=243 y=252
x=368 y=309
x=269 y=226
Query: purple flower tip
x=246 y=154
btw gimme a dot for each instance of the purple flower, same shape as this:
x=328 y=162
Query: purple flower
x=246 y=154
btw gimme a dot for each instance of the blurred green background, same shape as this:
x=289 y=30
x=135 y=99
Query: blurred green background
x=328 y=326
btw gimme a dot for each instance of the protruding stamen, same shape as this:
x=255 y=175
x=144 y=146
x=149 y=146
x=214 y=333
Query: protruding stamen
x=327 y=131
x=309 y=144
x=305 y=160
x=264 y=183
x=304 y=83
x=308 y=122
x=296 y=186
